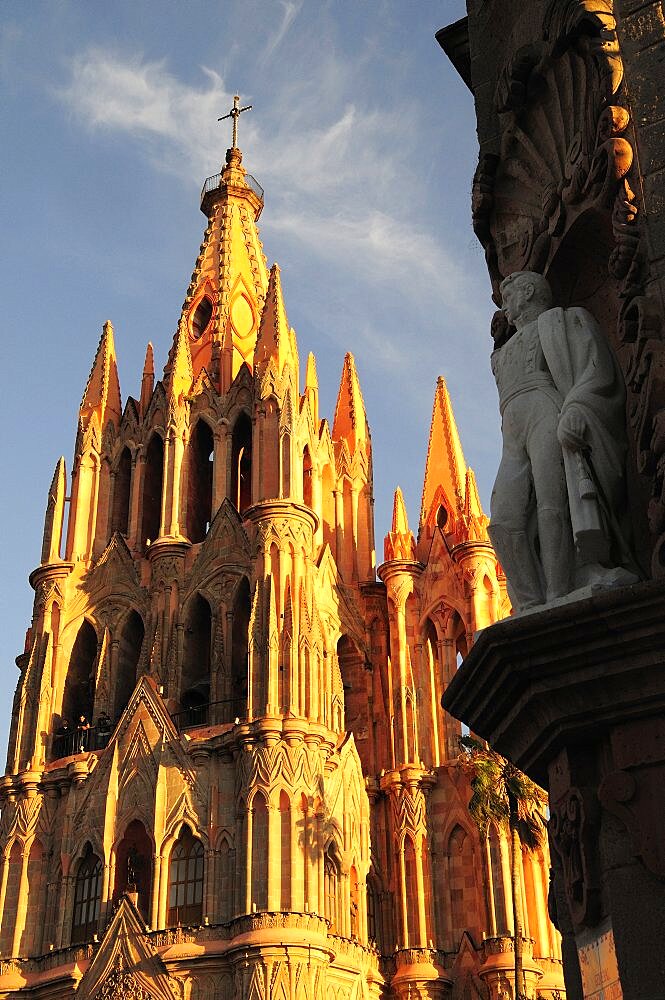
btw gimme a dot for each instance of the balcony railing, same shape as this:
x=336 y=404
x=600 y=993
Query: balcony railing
x=215 y=182
x=80 y=739
x=207 y=714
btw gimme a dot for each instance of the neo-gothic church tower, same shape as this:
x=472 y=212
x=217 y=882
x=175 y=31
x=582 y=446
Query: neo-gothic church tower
x=229 y=775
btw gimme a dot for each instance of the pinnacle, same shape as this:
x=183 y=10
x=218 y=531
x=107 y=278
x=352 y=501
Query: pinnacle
x=274 y=339
x=400 y=518
x=148 y=378
x=102 y=391
x=350 y=421
x=181 y=374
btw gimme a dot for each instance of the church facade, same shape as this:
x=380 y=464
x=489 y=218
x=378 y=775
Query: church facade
x=229 y=775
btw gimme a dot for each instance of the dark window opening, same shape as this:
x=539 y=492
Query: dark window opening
x=195 y=688
x=129 y=652
x=241 y=464
x=87 y=897
x=201 y=318
x=307 y=472
x=152 y=490
x=79 y=693
x=133 y=866
x=199 y=484
x=121 y=494
x=239 y=651
x=186 y=880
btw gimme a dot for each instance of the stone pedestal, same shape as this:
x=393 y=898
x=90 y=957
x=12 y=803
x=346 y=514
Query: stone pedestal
x=575 y=697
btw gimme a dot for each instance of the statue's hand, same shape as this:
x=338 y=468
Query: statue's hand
x=572 y=430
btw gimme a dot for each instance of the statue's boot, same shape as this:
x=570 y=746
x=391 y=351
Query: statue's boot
x=517 y=558
x=556 y=552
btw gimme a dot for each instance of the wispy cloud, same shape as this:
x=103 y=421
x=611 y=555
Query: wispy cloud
x=291 y=9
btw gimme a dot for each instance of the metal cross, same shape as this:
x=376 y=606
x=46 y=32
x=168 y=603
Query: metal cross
x=235 y=113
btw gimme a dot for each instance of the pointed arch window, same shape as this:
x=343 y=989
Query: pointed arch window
x=240 y=651
x=307 y=473
x=201 y=451
x=186 y=880
x=129 y=652
x=195 y=696
x=241 y=463
x=121 y=493
x=87 y=897
x=331 y=873
x=79 y=693
x=153 y=474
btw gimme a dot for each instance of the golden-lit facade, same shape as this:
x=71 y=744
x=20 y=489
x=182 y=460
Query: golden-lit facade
x=229 y=775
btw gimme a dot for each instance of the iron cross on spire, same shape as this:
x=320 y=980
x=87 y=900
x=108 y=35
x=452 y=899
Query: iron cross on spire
x=235 y=113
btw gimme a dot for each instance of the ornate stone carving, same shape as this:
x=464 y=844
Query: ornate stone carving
x=573 y=830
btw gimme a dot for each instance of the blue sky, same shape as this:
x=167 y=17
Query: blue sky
x=363 y=137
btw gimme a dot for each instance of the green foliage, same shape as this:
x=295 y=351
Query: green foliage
x=502 y=794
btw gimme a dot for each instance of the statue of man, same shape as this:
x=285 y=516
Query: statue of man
x=559 y=496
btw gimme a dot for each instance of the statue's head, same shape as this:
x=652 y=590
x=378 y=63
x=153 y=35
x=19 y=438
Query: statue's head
x=524 y=296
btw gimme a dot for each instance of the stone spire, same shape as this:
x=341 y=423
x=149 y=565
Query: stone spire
x=224 y=300
x=180 y=375
x=55 y=510
x=101 y=398
x=147 y=379
x=399 y=542
x=274 y=341
x=445 y=469
x=350 y=423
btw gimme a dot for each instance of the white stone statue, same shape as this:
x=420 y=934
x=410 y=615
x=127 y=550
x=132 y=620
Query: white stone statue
x=559 y=499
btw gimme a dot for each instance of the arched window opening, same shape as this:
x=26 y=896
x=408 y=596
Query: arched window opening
x=259 y=852
x=201 y=453
x=331 y=873
x=79 y=693
x=307 y=473
x=133 y=867
x=354 y=681
x=186 y=880
x=241 y=464
x=226 y=881
x=87 y=897
x=195 y=685
x=285 y=465
x=121 y=493
x=285 y=838
x=239 y=651
x=129 y=652
x=151 y=512
x=411 y=936
x=201 y=318
x=374 y=913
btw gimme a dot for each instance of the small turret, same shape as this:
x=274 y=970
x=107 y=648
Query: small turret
x=312 y=388
x=179 y=374
x=445 y=469
x=274 y=340
x=101 y=399
x=399 y=542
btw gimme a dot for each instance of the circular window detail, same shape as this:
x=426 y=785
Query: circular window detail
x=201 y=318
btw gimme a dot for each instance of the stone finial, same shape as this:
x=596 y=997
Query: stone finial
x=55 y=511
x=181 y=374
